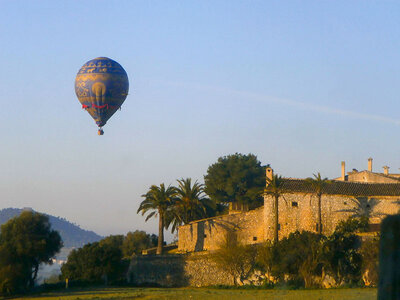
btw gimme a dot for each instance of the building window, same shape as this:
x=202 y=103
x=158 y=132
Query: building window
x=295 y=204
x=254 y=238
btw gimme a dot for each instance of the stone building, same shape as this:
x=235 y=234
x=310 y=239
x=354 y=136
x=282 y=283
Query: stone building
x=368 y=175
x=344 y=196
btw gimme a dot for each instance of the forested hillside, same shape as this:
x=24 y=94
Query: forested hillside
x=71 y=234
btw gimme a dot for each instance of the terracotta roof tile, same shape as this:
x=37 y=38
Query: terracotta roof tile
x=344 y=188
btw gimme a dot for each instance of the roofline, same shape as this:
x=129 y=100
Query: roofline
x=291 y=190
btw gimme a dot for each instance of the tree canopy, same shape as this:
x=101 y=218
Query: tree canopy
x=26 y=241
x=236 y=178
x=95 y=262
x=71 y=234
x=137 y=241
x=106 y=260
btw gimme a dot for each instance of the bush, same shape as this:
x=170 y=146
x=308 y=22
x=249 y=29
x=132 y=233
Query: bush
x=236 y=259
x=352 y=225
x=342 y=251
x=298 y=258
x=343 y=261
x=370 y=261
x=304 y=258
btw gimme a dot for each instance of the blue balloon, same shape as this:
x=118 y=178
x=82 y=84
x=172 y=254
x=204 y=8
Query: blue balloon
x=101 y=86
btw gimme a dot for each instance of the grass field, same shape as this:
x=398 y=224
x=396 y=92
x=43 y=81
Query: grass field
x=206 y=293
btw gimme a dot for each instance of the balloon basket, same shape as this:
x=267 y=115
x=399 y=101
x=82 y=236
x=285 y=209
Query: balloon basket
x=100 y=132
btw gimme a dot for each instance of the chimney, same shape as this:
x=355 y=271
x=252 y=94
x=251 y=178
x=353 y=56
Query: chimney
x=370 y=164
x=343 y=171
x=385 y=170
x=269 y=173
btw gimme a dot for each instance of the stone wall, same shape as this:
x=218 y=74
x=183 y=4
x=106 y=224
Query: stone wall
x=299 y=211
x=196 y=269
x=366 y=176
x=208 y=234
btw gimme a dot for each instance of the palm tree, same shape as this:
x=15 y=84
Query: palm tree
x=275 y=189
x=158 y=201
x=193 y=200
x=318 y=184
x=191 y=204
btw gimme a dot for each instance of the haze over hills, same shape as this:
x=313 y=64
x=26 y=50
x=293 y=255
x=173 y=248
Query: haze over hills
x=71 y=234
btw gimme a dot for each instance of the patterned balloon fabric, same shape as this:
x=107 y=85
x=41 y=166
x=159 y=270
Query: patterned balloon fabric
x=101 y=87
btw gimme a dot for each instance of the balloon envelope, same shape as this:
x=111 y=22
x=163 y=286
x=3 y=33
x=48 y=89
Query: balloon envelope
x=101 y=87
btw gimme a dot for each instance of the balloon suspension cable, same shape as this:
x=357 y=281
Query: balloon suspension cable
x=100 y=131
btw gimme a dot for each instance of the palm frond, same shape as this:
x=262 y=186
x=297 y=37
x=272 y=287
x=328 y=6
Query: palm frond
x=153 y=213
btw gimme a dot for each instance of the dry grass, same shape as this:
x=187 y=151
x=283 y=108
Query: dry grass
x=206 y=293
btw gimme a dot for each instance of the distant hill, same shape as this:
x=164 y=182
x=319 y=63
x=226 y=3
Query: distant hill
x=71 y=234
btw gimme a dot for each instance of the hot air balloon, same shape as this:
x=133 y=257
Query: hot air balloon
x=101 y=86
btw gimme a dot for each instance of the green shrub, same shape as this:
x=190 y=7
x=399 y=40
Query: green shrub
x=343 y=259
x=297 y=258
x=96 y=262
x=370 y=260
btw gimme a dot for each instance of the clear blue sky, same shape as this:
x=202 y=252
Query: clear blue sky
x=301 y=84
